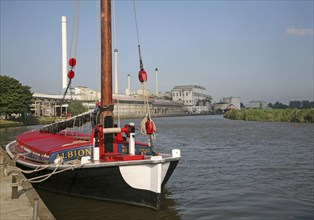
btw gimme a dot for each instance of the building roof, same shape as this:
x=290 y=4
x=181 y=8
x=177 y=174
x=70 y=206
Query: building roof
x=190 y=87
x=162 y=102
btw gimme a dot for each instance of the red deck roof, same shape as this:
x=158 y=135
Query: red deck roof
x=46 y=143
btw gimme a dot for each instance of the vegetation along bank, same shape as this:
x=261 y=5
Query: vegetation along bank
x=273 y=115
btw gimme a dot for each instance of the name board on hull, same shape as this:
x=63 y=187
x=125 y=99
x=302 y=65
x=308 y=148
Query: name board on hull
x=71 y=154
x=139 y=150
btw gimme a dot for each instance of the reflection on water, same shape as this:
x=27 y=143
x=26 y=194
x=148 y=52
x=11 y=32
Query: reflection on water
x=8 y=134
x=66 y=207
x=229 y=170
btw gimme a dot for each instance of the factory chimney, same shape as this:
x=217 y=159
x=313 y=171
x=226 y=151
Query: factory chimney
x=128 y=90
x=64 y=53
x=157 y=92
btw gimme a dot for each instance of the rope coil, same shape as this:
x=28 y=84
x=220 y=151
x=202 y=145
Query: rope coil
x=143 y=127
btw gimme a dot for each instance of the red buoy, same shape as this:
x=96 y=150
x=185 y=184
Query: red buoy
x=142 y=76
x=71 y=74
x=72 y=62
x=150 y=128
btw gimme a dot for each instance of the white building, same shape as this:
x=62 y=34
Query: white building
x=257 y=104
x=228 y=103
x=188 y=94
x=236 y=101
x=85 y=93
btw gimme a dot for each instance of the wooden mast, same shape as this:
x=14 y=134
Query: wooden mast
x=106 y=72
x=106 y=53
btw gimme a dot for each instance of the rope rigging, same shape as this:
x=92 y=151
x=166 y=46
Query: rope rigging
x=72 y=60
x=116 y=60
x=148 y=126
x=138 y=38
x=75 y=25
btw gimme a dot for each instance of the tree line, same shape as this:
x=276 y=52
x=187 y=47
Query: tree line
x=16 y=98
x=274 y=115
x=293 y=104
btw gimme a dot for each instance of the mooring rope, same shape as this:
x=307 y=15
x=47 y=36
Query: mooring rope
x=44 y=177
x=74 y=164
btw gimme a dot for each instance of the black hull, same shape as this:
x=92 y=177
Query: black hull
x=101 y=183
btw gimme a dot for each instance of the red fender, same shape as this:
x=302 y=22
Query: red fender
x=142 y=76
x=149 y=125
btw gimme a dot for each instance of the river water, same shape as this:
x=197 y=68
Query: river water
x=229 y=170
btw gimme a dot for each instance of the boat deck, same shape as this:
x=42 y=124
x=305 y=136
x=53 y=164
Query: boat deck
x=47 y=143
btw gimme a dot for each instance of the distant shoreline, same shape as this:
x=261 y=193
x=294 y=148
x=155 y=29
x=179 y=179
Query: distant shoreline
x=24 y=122
x=48 y=120
x=273 y=115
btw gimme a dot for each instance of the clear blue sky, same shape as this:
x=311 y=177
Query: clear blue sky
x=255 y=50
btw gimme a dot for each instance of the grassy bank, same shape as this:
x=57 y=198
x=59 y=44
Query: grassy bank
x=25 y=121
x=275 y=115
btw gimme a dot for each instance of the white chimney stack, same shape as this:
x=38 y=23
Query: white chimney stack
x=157 y=92
x=128 y=90
x=129 y=82
x=64 y=53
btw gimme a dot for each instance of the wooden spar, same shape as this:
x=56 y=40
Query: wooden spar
x=106 y=73
x=106 y=54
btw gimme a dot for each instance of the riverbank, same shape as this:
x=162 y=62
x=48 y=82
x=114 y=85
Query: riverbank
x=27 y=121
x=272 y=115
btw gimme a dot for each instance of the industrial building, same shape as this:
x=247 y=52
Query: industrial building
x=48 y=105
x=188 y=94
x=257 y=104
x=228 y=103
x=194 y=97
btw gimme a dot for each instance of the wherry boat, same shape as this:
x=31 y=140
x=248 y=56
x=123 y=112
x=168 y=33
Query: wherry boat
x=108 y=163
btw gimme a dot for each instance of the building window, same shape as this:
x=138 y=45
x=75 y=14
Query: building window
x=186 y=93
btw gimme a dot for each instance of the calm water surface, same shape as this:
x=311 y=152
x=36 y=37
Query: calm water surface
x=229 y=170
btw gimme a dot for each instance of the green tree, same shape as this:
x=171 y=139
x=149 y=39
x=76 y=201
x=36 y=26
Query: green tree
x=76 y=107
x=307 y=104
x=295 y=104
x=280 y=105
x=14 y=97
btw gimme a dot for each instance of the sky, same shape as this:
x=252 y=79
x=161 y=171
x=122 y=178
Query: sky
x=255 y=50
